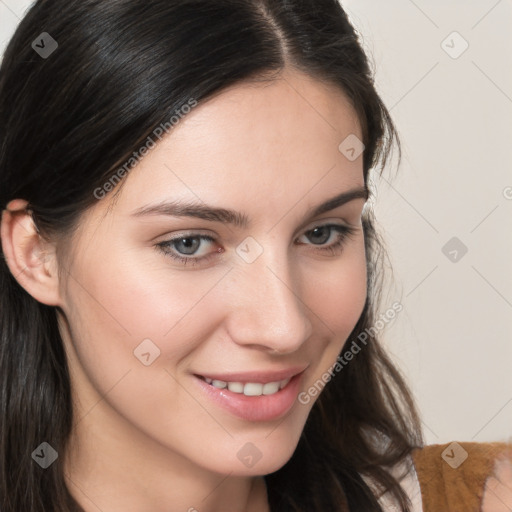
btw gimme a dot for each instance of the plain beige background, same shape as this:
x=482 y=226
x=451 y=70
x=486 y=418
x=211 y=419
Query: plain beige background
x=443 y=68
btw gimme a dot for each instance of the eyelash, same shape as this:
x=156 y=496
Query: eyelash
x=344 y=232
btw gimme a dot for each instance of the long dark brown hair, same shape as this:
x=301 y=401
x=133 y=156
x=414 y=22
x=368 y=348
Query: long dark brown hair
x=68 y=118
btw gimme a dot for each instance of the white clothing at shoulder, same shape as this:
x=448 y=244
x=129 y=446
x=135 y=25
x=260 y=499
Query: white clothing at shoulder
x=409 y=483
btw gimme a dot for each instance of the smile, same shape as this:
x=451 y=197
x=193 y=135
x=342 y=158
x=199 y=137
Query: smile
x=249 y=388
x=268 y=400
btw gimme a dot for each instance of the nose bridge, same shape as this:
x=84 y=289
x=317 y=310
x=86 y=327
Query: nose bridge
x=269 y=309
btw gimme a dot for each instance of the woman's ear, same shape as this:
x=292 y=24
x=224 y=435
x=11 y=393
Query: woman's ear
x=30 y=258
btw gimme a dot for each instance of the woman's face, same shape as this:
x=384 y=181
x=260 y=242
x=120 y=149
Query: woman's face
x=151 y=301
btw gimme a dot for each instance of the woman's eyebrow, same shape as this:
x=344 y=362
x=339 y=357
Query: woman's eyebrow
x=238 y=219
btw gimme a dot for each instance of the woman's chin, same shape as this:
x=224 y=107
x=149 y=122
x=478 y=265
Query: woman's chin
x=251 y=460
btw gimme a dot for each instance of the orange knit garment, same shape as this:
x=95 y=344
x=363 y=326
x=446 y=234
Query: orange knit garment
x=452 y=476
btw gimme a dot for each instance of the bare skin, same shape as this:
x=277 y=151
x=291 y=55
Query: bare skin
x=145 y=437
x=497 y=495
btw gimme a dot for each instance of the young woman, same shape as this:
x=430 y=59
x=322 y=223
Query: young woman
x=190 y=284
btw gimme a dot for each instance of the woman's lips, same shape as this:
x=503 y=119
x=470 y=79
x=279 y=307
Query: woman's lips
x=256 y=376
x=254 y=408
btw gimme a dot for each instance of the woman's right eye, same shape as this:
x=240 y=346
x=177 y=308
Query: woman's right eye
x=182 y=246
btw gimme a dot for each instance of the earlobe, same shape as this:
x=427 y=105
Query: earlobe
x=30 y=258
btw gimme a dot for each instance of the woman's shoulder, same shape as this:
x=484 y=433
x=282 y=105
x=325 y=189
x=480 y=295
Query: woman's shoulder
x=453 y=476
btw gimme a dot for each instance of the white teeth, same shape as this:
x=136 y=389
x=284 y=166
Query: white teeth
x=270 y=388
x=236 y=387
x=253 y=389
x=249 y=388
x=284 y=382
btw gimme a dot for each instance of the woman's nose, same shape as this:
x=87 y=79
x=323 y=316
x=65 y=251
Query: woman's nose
x=266 y=308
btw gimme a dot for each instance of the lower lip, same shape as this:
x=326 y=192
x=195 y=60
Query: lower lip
x=254 y=408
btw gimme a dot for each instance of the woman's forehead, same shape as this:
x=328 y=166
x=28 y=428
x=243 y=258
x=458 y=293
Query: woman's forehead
x=250 y=139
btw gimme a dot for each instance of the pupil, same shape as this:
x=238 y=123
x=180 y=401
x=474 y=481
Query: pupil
x=322 y=230
x=189 y=243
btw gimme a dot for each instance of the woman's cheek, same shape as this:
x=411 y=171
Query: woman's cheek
x=337 y=293
x=143 y=294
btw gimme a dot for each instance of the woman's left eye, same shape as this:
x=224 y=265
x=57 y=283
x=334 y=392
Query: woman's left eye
x=184 y=248
x=326 y=232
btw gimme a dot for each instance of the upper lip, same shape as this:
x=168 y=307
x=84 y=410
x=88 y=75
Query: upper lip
x=255 y=376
